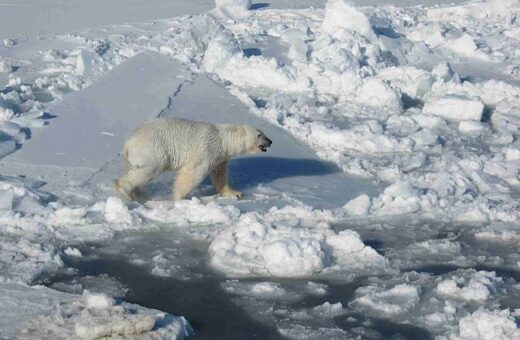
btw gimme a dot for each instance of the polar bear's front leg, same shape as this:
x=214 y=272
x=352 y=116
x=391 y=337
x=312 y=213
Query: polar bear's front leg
x=220 y=182
x=187 y=179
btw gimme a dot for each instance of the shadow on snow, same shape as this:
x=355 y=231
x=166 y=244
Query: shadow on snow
x=250 y=171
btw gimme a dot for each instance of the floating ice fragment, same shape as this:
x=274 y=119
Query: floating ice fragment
x=97 y=301
x=73 y=252
x=476 y=288
x=453 y=107
x=358 y=206
x=342 y=15
x=84 y=64
x=9 y=42
x=397 y=300
x=328 y=309
x=470 y=127
x=254 y=247
x=5 y=66
x=117 y=212
x=487 y=325
x=377 y=93
x=232 y=8
x=412 y=81
x=465 y=46
x=443 y=72
x=189 y=212
x=220 y=50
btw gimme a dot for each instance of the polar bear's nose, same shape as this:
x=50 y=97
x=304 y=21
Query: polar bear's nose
x=269 y=142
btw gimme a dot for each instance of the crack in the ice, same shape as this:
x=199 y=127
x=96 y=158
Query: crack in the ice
x=172 y=97
x=88 y=181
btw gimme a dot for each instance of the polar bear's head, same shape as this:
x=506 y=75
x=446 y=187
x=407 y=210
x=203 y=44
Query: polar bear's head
x=256 y=140
x=239 y=139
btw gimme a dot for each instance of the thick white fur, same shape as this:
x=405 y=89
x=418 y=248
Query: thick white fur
x=192 y=148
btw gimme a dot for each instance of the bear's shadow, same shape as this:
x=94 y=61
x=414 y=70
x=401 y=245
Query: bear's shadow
x=247 y=172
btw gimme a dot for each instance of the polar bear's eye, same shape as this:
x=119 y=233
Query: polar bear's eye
x=259 y=135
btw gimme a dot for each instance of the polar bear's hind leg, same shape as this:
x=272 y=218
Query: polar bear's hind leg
x=220 y=181
x=128 y=184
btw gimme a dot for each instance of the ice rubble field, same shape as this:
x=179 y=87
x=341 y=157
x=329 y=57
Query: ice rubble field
x=425 y=101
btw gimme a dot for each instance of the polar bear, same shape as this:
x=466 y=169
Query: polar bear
x=194 y=149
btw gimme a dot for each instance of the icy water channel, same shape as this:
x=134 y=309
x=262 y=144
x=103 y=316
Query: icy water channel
x=190 y=288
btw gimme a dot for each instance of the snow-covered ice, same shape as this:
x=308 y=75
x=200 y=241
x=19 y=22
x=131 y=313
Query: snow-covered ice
x=484 y=324
x=455 y=108
x=388 y=205
x=256 y=248
x=42 y=312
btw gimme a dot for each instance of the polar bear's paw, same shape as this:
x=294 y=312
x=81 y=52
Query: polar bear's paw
x=228 y=192
x=120 y=192
x=139 y=196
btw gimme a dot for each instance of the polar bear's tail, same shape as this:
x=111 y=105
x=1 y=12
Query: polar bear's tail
x=125 y=155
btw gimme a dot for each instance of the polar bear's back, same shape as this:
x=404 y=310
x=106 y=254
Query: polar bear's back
x=167 y=143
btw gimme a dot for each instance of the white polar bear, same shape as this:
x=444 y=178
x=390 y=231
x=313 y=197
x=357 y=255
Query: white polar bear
x=195 y=149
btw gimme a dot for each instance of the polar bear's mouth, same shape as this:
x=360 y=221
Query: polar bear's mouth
x=264 y=143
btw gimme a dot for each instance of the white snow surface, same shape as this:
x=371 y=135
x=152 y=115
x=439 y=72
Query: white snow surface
x=256 y=248
x=51 y=314
x=232 y=8
x=484 y=324
x=421 y=103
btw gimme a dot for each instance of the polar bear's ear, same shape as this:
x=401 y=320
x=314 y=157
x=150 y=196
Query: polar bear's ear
x=260 y=134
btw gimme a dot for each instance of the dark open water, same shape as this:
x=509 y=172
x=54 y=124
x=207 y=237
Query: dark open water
x=212 y=312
